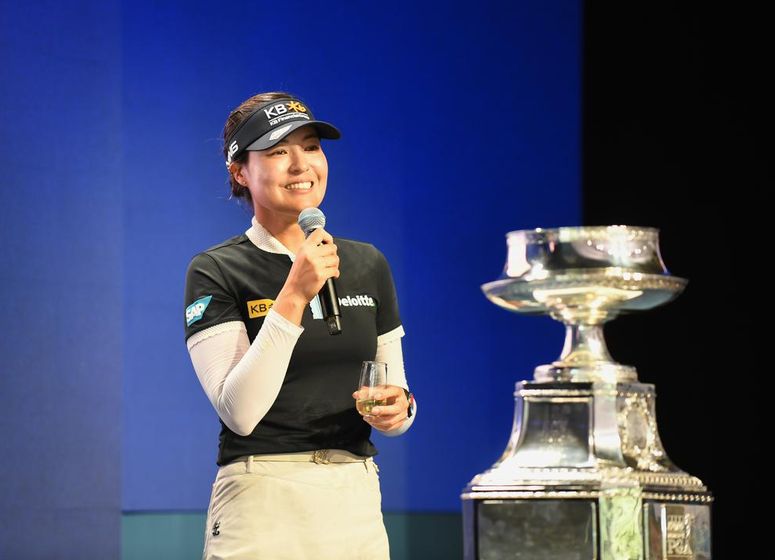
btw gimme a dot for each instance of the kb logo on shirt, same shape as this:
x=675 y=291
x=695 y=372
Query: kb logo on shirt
x=259 y=307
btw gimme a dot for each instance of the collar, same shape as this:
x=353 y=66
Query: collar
x=261 y=238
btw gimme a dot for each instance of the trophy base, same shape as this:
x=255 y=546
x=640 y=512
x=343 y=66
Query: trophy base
x=613 y=526
x=585 y=477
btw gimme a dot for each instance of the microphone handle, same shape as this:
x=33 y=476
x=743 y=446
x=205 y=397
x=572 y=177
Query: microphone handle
x=330 y=304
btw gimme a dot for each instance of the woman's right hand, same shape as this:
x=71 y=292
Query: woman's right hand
x=316 y=261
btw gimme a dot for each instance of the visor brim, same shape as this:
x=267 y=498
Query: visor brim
x=272 y=138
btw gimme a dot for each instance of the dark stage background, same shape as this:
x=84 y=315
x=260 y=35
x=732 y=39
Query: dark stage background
x=673 y=119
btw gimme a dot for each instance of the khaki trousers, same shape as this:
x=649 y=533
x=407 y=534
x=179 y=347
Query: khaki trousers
x=321 y=505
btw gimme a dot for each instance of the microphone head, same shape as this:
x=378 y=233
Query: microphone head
x=311 y=219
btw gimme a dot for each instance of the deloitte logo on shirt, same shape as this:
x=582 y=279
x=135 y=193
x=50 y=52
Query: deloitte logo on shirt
x=357 y=301
x=196 y=310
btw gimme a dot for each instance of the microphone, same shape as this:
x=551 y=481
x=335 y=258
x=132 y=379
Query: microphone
x=311 y=219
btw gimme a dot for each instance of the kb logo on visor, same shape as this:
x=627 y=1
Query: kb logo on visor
x=282 y=108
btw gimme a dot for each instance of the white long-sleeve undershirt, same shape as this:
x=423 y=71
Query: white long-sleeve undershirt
x=242 y=380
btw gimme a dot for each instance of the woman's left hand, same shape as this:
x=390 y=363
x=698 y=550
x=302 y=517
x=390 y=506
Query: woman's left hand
x=391 y=415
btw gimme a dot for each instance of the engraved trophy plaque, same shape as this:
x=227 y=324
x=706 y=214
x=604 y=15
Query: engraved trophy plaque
x=584 y=475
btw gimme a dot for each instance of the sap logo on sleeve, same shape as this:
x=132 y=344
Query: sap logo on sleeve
x=259 y=307
x=196 y=310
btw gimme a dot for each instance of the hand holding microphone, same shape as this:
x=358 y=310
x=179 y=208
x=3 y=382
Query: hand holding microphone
x=316 y=262
x=312 y=221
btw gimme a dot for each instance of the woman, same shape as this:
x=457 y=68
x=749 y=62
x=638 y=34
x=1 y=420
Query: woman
x=296 y=477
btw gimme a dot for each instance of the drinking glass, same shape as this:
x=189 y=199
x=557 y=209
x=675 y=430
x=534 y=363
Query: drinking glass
x=371 y=388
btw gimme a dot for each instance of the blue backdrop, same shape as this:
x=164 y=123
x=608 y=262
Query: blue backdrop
x=61 y=279
x=460 y=122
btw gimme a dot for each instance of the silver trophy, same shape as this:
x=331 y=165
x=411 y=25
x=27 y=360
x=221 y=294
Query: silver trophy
x=584 y=475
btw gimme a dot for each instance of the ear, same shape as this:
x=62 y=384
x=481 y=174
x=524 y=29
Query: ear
x=236 y=171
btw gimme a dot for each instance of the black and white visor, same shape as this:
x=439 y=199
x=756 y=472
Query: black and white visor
x=270 y=123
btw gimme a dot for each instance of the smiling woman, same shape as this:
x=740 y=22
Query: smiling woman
x=285 y=179
x=296 y=478
x=246 y=127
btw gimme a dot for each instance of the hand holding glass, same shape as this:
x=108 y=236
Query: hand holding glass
x=371 y=388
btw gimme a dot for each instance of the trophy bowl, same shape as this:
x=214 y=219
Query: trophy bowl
x=584 y=276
